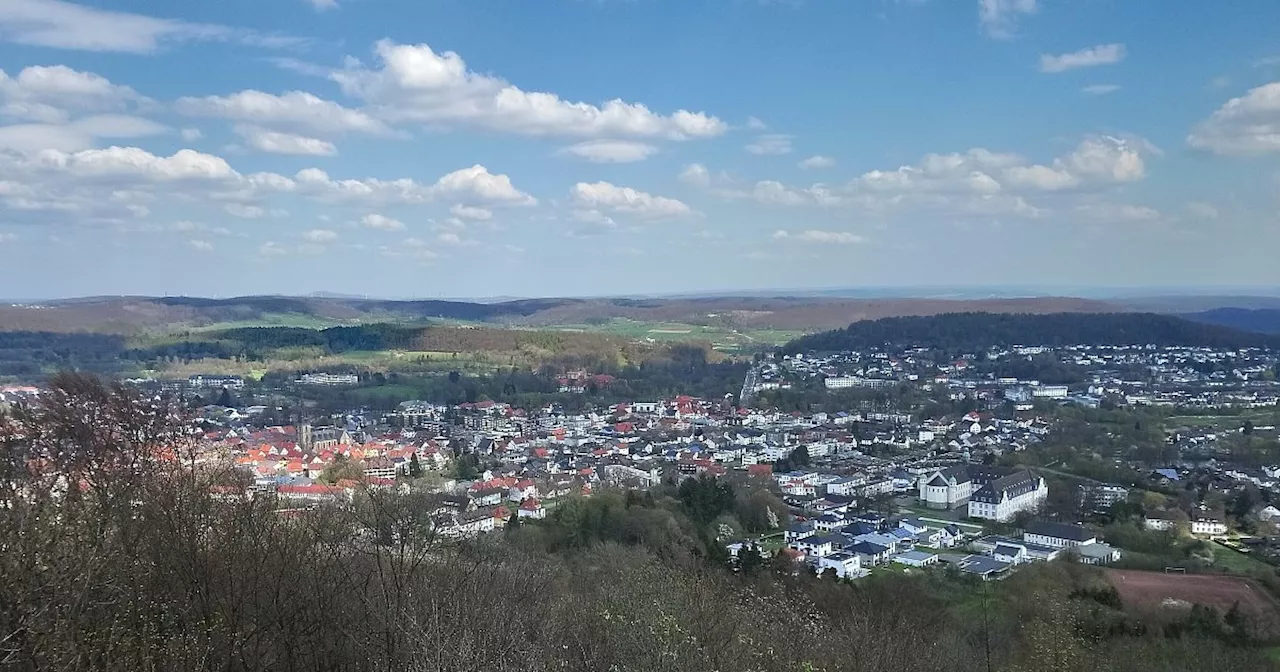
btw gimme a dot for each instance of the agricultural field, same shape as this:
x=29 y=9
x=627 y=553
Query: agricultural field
x=723 y=338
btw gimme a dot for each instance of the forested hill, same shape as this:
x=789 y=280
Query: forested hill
x=1263 y=320
x=976 y=331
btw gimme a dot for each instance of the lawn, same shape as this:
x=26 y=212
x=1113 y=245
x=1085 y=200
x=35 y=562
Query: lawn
x=1260 y=416
x=1237 y=562
x=384 y=392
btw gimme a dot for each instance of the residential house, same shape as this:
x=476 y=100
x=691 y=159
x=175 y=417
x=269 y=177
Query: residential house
x=983 y=567
x=871 y=553
x=799 y=531
x=1160 y=520
x=1207 y=523
x=845 y=565
x=913 y=525
x=1014 y=554
x=488 y=496
x=531 y=508
x=817 y=546
x=939 y=537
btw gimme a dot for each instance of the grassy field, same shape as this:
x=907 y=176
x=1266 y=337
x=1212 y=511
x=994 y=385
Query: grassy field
x=725 y=339
x=379 y=360
x=277 y=320
x=1259 y=416
x=1237 y=562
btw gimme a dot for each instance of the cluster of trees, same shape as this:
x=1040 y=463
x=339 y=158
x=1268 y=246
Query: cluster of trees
x=682 y=370
x=30 y=354
x=260 y=307
x=974 y=332
x=117 y=557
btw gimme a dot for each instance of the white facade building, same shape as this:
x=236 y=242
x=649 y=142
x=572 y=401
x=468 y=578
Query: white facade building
x=945 y=489
x=1208 y=526
x=1003 y=498
x=1058 y=535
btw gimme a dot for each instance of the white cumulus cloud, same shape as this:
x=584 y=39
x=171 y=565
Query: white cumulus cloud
x=1244 y=126
x=294 y=109
x=275 y=142
x=381 y=222
x=695 y=174
x=414 y=83
x=606 y=196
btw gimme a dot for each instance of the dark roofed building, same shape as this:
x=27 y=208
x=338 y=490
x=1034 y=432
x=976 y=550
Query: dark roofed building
x=1057 y=535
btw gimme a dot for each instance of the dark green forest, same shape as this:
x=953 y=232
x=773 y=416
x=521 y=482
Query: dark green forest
x=973 y=332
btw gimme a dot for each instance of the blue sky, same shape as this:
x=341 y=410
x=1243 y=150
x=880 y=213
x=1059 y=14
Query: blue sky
x=471 y=148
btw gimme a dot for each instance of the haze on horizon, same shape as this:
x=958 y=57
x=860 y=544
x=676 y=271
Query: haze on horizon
x=472 y=148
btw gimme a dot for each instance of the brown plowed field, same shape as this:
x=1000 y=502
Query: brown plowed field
x=1147 y=590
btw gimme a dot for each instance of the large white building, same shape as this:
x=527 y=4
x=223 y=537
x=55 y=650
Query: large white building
x=1058 y=535
x=946 y=489
x=845 y=382
x=1002 y=498
x=1207 y=524
x=952 y=487
x=1050 y=392
x=329 y=379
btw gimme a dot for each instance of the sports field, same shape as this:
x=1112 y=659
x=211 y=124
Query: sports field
x=1151 y=590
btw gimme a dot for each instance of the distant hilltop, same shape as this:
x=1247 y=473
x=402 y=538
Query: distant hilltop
x=812 y=313
x=135 y=314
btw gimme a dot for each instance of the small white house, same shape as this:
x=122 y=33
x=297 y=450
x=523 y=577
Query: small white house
x=816 y=546
x=531 y=508
x=846 y=565
x=1015 y=554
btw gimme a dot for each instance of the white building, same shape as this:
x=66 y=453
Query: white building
x=1050 y=392
x=329 y=379
x=946 y=489
x=1057 y=535
x=1002 y=498
x=1014 y=554
x=846 y=565
x=845 y=382
x=1206 y=524
x=815 y=546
